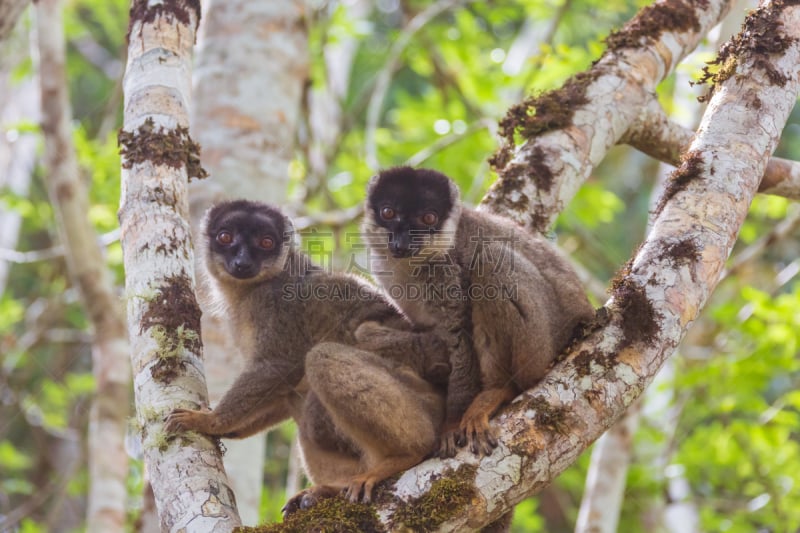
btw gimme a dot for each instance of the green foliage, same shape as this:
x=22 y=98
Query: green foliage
x=13 y=459
x=452 y=76
x=28 y=525
x=11 y=312
x=135 y=491
x=15 y=464
x=764 y=213
x=50 y=403
x=526 y=517
x=740 y=443
x=274 y=495
x=100 y=161
x=593 y=205
x=45 y=373
x=95 y=31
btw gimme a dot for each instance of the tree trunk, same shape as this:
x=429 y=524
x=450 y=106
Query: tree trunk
x=246 y=113
x=605 y=480
x=17 y=160
x=257 y=115
x=186 y=471
x=108 y=462
x=10 y=10
x=675 y=512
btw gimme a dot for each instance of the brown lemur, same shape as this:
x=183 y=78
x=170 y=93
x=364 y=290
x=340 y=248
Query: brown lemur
x=505 y=300
x=362 y=407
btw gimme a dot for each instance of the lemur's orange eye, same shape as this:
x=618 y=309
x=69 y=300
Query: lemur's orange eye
x=387 y=213
x=267 y=243
x=224 y=237
x=429 y=218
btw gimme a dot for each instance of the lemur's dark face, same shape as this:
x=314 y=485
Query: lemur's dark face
x=246 y=240
x=413 y=206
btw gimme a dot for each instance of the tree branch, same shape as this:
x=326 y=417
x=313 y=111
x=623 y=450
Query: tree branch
x=605 y=479
x=10 y=10
x=54 y=252
x=572 y=128
x=660 y=137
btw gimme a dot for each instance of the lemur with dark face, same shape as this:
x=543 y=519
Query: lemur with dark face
x=327 y=349
x=505 y=300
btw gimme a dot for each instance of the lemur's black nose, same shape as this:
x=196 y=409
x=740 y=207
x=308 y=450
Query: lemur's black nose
x=242 y=268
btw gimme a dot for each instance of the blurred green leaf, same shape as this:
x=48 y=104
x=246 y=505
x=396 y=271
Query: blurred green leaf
x=13 y=459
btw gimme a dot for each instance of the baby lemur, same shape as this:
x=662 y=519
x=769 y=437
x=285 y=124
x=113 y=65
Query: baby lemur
x=505 y=300
x=362 y=408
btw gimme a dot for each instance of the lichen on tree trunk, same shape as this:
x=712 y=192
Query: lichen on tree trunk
x=158 y=157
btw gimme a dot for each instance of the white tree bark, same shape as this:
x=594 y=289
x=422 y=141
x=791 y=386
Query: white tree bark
x=596 y=111
x=246 y=112
x=653 y=303
x=257 y=113
x=605 y=480
x=677 y=512
x=17 y=159
x=10 y=10
x=657 y=405
x=187 y=474
x=108 y=462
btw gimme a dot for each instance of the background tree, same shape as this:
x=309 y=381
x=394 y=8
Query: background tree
x=10 y=11
x=447 y=72
x=106 y=457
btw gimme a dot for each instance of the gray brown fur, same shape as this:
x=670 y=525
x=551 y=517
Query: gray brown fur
x=499 y=346
x=357 y=411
